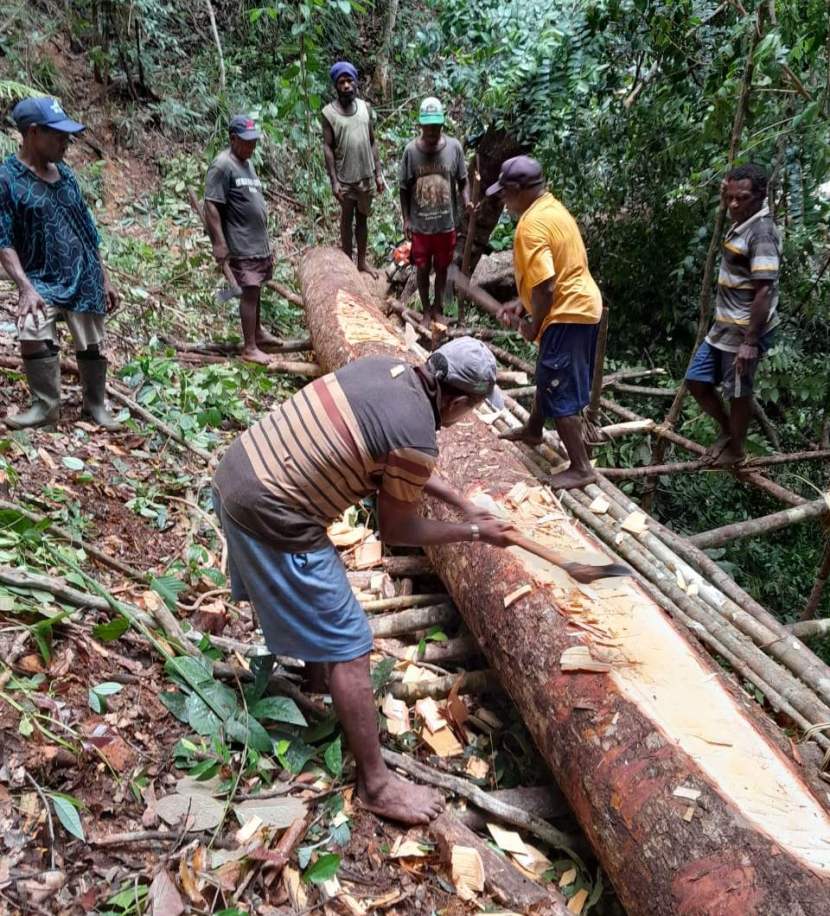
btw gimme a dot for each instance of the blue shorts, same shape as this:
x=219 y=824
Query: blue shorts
x=303 y=601
x=717 y=367
x=565 y=367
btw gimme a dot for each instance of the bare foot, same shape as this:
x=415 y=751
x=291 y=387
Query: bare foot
x=264 y=339
x=255 y=355
x=365 y=269
x=426 y=320
x=523 y=434
x=717 y=447
x=727 y=459
x=403 y=801
x=572 y=479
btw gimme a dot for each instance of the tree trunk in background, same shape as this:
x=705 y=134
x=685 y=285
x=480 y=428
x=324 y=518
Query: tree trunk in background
x=381 y=78
x=494 y=147
x=747 y=833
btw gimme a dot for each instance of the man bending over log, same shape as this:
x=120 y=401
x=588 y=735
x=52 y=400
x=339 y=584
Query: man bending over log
x=558 y=292
x=368 y=429
x=237 y=221
x=745 y=313
x=352 y=161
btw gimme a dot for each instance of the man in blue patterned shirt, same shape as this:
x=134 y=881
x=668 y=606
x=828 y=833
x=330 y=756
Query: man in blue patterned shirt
x=49 y=248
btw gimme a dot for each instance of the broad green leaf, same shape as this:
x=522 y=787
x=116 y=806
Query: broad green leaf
x=261 y=668
x=333 y=757
x=74 y=464
x=278 y=709
x=209 y=706
x=323 y=869
x=381 y=673
x=108 y=688
x=96 y=702
x=237 y=729
x=322 y=730
x=112 y=630
x=176 y=702
x=191 y=671
x=296 y=756
x=68 y=815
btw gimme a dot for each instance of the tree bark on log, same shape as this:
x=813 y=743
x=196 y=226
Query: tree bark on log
x=756 y=840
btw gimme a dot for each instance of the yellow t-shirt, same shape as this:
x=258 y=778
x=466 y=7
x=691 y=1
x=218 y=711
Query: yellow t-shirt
x=548 y=244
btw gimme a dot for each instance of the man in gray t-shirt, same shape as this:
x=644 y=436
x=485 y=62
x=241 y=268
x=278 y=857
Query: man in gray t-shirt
x=432 y=177
x=237 y=221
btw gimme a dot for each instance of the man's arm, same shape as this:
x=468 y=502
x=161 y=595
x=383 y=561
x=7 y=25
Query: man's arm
x=328 y=155
x=405 y=201
x=379 y=180
x=542 y=302
x=113 y=299
x=29 y=301
x=437 y=487
x=213 y=218
x=401 y=525
x=758 y=318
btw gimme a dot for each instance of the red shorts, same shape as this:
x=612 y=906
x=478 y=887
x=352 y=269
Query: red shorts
x=438 y=247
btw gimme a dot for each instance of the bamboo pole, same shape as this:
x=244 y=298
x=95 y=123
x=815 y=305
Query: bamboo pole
x=687 y=467
x=468 y=241
x=597 y=380
x=753 y=527
x=659 y=452
x=753 y=477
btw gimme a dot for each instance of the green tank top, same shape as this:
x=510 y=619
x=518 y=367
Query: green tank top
x=352 y=147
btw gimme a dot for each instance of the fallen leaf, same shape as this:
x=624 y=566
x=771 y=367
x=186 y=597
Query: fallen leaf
x=36 y=891
x=202 y=811
x=274 y=812
x=163 y=897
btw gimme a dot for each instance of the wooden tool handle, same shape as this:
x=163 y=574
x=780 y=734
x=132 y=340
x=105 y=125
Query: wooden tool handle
x=483 y=299
x=536 y=548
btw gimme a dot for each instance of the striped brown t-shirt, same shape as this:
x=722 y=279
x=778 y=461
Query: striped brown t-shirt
x=369 y=427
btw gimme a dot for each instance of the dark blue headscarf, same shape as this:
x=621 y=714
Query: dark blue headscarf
x=341 y=68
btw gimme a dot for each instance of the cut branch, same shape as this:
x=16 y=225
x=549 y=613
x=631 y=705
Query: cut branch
x=754 y=527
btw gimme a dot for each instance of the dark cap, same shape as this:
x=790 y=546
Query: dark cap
x=467 y=364
x=243 y=127
x=518 y=173
x=43 y=112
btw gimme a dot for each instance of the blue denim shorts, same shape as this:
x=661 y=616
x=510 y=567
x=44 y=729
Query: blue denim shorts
x=717 y=367
x=565 y=367
x=303 y=601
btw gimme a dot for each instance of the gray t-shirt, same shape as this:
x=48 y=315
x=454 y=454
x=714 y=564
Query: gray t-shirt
x=237 y=192
x=432 y=181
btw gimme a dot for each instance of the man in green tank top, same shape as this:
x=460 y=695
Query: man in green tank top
x=352 y=160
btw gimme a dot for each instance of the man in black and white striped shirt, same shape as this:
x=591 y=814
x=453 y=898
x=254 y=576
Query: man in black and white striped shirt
x=746 y=313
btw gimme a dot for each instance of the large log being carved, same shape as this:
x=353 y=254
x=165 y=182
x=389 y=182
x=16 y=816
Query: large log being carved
x=688 y=794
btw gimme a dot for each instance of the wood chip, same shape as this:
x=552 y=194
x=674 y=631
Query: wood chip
x=395 y=371
x=368 y=555
x=568 y=877
x=693 y=590
x=489 y=718
x=514 y=596
x=687 y=792
x=397 y=715
x=689 y=813
x=415 y=674
x=490 y=418
x=518 y=494
x=407 y=849
x=428 y=710
x=410 y=335
x=579 y=658
x=534 y=861
x=477 y=768
x=636 y=523
x=577 y=902
x=343 y=535
x=443 y=743
x=467 y=872
x=249 y=829
x=508 y=840
x=681 y=582
x=600 y=506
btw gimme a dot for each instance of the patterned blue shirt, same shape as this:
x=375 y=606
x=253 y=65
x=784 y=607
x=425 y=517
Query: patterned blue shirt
x=51 y=229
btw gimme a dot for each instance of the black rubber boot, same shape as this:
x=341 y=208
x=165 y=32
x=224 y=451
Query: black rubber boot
x=44 y=377
x=94 y=385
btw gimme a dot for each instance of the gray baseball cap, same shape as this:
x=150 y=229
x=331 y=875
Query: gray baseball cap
x=467 y=364
x=518 y=173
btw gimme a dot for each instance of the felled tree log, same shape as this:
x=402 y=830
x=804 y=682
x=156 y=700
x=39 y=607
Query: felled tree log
x=685 y=791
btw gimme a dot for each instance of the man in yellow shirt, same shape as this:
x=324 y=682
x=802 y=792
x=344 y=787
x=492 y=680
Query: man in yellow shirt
x=563 y=307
